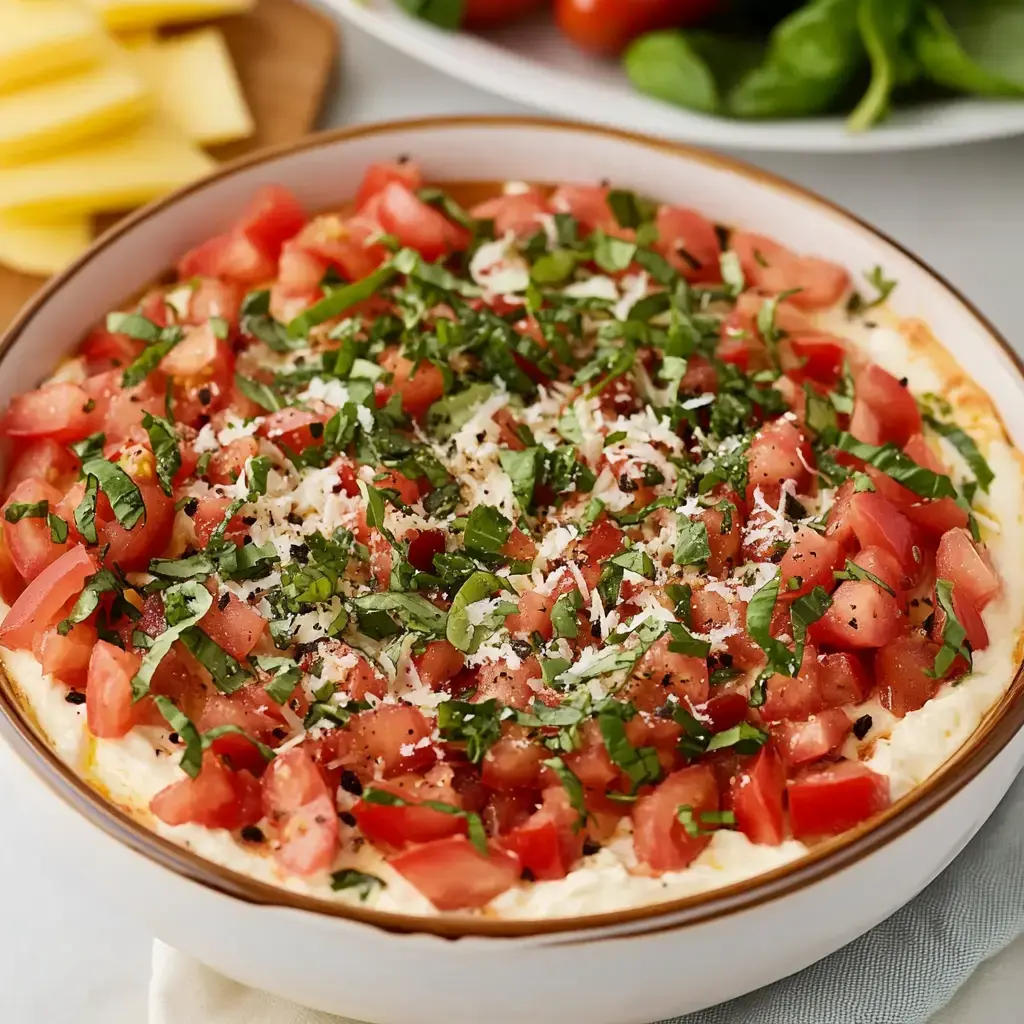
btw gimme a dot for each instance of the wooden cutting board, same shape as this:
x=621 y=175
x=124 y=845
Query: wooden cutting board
x=284 y=52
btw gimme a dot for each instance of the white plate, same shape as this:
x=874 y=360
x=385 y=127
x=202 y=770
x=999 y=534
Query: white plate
x=531 y=62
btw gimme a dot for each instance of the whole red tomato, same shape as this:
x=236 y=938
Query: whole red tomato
x=607 y=26
x=488 y=13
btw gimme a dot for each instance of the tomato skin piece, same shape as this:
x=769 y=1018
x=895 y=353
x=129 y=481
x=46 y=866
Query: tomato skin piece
x=773 y=458
x=43 y=460
x=550 y=841
x=876 y=521
x=889 y=402
x=44 y=598
x=132 y=549
x=844 y=679
x=417 y=225
x=296 y=799
x=510 y=686
x=110 y=711
x=881 y=562
x=67 y=657
x=725 y=545
x=901 y=669
x=233 y=625
x=755 y=796
x=216 y=798
x=825 y=801
x=377 y=176
x=520 y=546
x=397 y=826
x=606 y=26
x=518 y=213
x=968 y=616
x=680 y=231
x=661 y=672
x=961 y=562
x=810 y=561
x=419 y=386
x=59 y=411
x=797 y=697
x=382 y=732
x=209 y=515
x=29 y=542
x=659 y=839
x=513 y=762
x=439 y=663
x=533 y=615
x=588 y=204
x=802 y=742
x=936 y=517
x=861 y=615
x=454 y=875
x=776 y=269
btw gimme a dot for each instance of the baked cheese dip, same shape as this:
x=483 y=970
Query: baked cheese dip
x=559 y=554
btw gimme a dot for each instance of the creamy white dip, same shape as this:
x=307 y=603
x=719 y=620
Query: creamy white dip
x=132 y=770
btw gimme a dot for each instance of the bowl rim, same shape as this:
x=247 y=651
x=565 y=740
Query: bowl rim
x=998 y=727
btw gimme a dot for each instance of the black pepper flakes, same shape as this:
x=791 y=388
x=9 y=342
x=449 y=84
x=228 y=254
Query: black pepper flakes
x=75 y=697
x=521 y=648
x=350 y=782
x=316 y=430
x=347 y=818
x=252 y=834
x=205 y=396
x=862 y=726
x=224 y=600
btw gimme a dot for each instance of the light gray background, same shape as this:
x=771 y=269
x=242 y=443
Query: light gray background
x=63 y=958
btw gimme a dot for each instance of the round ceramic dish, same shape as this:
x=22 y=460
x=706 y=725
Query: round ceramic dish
x=610 y=968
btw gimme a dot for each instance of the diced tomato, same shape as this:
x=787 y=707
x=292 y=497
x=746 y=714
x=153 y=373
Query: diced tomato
x=397 y=826
x=890 y=403
x=967 y=567
x=209 y=515
x=393 y=480
x=381 y=735
x=11 y=583
x=248 y=709
x=233 y=625
x=29 y=539
x=588 y=204
x=520 y=546
x=812 y=356
x=296 y=429
x=797 y=697
x=519 y=213
x=901 y=671
x=226 y=464
x=513 y=762
x=876 y=521
x=216 y=798
x=454 y=875
x=968 y=616
x=725 y=539
x=380 y=559
x=936 y=517
x=44 y=460
x=378 y=176
x=659 y=838
x=109 y=707
x=882 y=563
x=67 y=657
x=808 y=562
x=774 y=456
x=417 y=225
x=602 y=541
x=61 y=411
x=828 y=800
x=756 y=799
x=802 y=742
x=534 y=615
x=550 y=842
x=132 y=549
x=439 y=663
x=420 y=385
x=844 y=679
x=688 y=240
x=662 y=672
x=861 y=615
x=42 y=600
x=423 y=546
x=211 y=298
x=103 y=350
x=723 y=710
x=296 y=799
x=347 y=245
x=509 y=686
x=776 y=269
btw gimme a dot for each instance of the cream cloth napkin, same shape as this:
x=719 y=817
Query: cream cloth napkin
x=903 y=972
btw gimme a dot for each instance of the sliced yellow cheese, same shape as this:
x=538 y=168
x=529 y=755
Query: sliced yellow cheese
x=42 y=120
x=197 y=89
x=40 y=39
x=113 y=174
x=129 y=15
x=42 y=249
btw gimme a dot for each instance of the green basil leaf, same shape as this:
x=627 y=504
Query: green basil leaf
x=759 y=619
x=965 y=445
x=682 y=641
x=852 y=571
x=636 y=561
x=102 y=582
x=459 y=631
x=227 y=674
x=692 y=544
x=121 y=490
x=640 y=764
x=135 y=325
x=339 y=300
x=450 y=414
x=476 y=725
x=262 y=394
x=486 y=530
x=572 y=786
x=954 y=636
x=743 y=738
x=85 y=511
x=894 y=463
x=285 y=673
x=611 y=254
x=803 y=612
x=732 y=273
x=149 y=358
x=522 y=469
x=564 y=620
x=26 y=510
x=192 y=757
x=163 y=439
x=58 y=528
x=350 y=878
x=414 y=611
x=90 y=447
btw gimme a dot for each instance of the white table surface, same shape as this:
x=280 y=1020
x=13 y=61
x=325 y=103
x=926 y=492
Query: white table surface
x=63 y=958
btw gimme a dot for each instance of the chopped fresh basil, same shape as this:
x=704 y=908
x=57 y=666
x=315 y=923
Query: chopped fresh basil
x=102 y=582
x=460 y=632
x=340 y=299
x=85 y=511
x=414 y=611
x=363 y=883
x=449 y=414
x=285 y=675
x=732 y=273
x=692 y=545
x=163 y=439
x=121 y=490
x=564 y=619
x=476 y=725
x=636 y=561
x=26 y=510
x=521 y=468
x=262 y=394
x=487 y=530
x=852 y=571
x=640 y=764
x=572 y=786
x=743 y=738
x=474 y=826
x=135 y=325
x=90 y=447
x=192 y=757
x=58 y=528
x=901 y=467
x=968 y=449
x=227 y=674
x=954 y=636
x=759 y=619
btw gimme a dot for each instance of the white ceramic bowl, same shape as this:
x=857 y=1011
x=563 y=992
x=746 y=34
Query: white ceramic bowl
x=638 y=965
